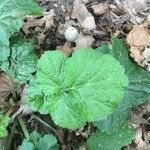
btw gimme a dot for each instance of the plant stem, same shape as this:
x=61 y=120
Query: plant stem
x=45 y=124
x=11 y=136
x=23 y=126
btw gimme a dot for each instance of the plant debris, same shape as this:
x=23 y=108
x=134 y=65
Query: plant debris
x=139 y=41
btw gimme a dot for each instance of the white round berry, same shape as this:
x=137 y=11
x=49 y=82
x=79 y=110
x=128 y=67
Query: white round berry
x=71 y=34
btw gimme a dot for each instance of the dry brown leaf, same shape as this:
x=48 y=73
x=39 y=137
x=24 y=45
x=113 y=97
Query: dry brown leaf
x=66 y=48
x=138 y=135
x=69 y=23
x=139 y=39
x=84 y=132
x=140 y=144
x=41 y=38
x=146 y=54
x=114 y=8
x=137 y=9
x=137 y=5
x=41 y=25
x=84 y=41
x=24 y=109
x=5 y=87
x=83 y=147
x=100 y=9
x=89 y=1
x=140 y=121
x=85 y=1
x=139 y=36
x=47 y=21
x=84 y=17
x=146 y=136
x=136 y=53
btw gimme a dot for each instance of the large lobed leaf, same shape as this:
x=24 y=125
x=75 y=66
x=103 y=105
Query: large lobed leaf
x=103 y=141
x=138 y=90
x=78 y=89
x=23 y=61
x=37 y=142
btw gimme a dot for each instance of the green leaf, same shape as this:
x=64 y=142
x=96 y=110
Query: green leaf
x=12 y=13
x=37 y=142
x=78 y=89
x=23 y=61
x=34 y=137
x=139 y=78
x=26 y=145
x=138 y=90
x=103 y=141
x=114 y=121
x=37 y=97
x=48 y=142
x=4 y=54
x=4 y=121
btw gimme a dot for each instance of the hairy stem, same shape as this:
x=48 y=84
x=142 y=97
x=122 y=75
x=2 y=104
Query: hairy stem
x=8 y=146
x=23 y=127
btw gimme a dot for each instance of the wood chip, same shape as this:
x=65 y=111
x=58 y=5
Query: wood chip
x=100 y=9
x=66 y=48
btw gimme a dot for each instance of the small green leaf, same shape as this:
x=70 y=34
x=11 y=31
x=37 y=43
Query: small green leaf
x=26 y=145
x=79 y=89
x=48 y=142
x=138 y=90
x=4 y=121
x=34 y=137
x=23 y=61
x=103 y=141
x=37 y=142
